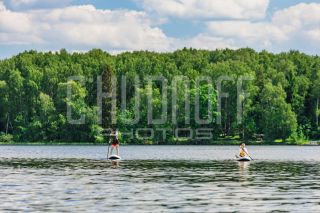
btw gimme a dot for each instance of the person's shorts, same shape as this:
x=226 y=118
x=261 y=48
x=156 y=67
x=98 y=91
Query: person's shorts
x=114 y=145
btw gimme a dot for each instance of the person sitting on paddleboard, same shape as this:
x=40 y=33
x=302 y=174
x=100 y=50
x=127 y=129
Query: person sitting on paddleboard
x=114 y=141
x=243 y=152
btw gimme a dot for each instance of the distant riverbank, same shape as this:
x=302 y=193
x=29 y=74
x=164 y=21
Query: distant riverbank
x=214 y=143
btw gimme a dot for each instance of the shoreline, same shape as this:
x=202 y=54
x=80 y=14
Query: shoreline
x=233 y=143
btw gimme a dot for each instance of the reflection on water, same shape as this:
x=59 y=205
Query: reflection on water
x=243 y=167
x=115 y=163
x=58 y=185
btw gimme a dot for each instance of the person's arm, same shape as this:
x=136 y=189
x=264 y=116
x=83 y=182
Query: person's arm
x=114 y=133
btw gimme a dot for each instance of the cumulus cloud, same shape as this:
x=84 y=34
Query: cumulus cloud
x=85 y=27
x=300 y=22
x=296 y=27
x=81 y=27
x=19 y=2
x=234 y=9
x=204 y=41
x=2 y=7
x=33 y=4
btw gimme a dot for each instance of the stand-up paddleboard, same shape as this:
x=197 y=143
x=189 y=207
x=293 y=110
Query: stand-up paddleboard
x=114 y=157
x=245 y=158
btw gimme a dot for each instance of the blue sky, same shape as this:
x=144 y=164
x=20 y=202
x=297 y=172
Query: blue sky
x=166 y=25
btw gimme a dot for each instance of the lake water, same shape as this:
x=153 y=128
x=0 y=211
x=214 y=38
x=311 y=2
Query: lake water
x=159 y=179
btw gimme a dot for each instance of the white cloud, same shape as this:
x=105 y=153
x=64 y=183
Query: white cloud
x=235 y=9
x=13 y=22
x=296 y=27
x=81 y=27
x=204 y=41
x=85 y=27
x=244 y=33
x=302 y=20
x=32 y=4
x=2 y=7
x=314 y=35
x=22 y=2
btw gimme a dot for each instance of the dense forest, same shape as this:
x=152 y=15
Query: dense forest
x=283 y=104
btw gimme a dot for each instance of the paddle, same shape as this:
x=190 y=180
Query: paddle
x=248 y=154
x=108 y=151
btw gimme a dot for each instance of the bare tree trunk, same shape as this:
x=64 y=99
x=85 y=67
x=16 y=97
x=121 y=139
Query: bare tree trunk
x=242 y=123
x=226 y=119
x=317 y=116
x=7 y=125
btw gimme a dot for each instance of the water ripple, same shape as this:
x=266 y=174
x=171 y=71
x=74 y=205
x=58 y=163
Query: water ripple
x=64 y=185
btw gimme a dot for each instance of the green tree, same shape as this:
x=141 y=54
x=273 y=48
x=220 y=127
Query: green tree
x=278 y=119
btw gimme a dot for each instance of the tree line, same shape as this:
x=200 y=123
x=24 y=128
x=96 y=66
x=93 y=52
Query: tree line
x=283 y=103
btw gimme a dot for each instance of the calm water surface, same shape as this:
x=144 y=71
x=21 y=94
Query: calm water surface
x=159 y=179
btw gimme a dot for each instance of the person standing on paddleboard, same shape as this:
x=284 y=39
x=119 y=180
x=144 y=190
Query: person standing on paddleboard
x=114 y=140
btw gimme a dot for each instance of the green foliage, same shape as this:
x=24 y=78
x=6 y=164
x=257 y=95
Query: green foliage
x=283 y=102
x=6 y=138
x=279 y=121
